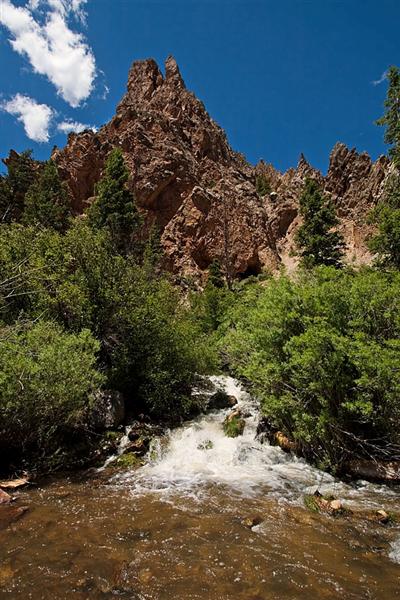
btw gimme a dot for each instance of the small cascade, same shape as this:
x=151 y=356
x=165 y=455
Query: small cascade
x=123 y=443
x=394 y=553
x=200 y=453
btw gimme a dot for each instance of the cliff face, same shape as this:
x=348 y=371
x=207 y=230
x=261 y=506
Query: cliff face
x=202 y=194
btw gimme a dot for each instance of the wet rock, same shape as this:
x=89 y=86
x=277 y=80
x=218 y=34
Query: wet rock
x=221 y=400
x=134 y=435
x=4 y=497
x=144 y=430
x=382 y=516
x=251 y=522
x=266 y=432
x=206 y=445
x=6 y=574
x=109 y=409
x=318 y=503
x=139 y=446
x=373 y=470
x=10 y=514
x=127 y=461
x=13 y=484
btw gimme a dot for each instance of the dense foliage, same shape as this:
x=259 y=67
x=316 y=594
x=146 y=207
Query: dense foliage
x=46 y=202
x=21 y=174
x=386 y=243
x=114 y=207
x=47 y=380
x=323 y=355
x=82 y=306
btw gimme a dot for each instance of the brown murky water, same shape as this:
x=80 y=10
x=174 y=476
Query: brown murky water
x=94 y=540
x=178 y=529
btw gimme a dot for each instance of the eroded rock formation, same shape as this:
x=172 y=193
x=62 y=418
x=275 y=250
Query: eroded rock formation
x=202 y=194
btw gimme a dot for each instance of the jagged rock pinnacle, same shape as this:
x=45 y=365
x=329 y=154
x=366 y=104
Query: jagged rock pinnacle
x=188 y=180
x=172 y=72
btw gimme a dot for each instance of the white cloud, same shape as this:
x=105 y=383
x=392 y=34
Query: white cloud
x=69 y=126
x=64 y=7
x=381 y=79
x=52 y=48
x=36 y=118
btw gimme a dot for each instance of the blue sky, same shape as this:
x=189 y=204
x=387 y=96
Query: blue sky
x=281 y=77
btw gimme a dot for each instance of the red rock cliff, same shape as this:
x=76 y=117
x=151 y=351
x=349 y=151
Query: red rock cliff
x=201 y=193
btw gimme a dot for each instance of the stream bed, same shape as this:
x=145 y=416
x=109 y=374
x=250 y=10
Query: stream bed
x=207 y=517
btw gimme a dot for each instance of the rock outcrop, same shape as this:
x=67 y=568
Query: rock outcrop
x=202 y=195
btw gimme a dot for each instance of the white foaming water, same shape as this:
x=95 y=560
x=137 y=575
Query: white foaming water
x=200 y=453
x=123 y=443
x=394 y=553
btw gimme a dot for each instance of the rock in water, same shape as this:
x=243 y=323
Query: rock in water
x=221 y=400
x=4 y=497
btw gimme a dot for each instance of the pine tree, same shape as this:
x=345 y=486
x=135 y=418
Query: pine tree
x=391 y=117
x=386 y=243
x=152 y=252
x=114 y=207
x=318 y=244
x=14 y=186
x=215 y=277
x=47 y=202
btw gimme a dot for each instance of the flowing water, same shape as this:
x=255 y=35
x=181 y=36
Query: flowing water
x=207 y=517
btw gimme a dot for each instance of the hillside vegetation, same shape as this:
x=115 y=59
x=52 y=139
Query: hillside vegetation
x=85 y=306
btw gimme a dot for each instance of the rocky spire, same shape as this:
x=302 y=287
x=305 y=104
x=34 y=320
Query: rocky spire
x=144 y=78
x=172 y=72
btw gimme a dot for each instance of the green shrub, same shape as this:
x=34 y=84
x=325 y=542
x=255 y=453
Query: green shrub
x=263 y=186
x=46 y=202
x=233 y=425
x=323 y=354
x=47 y=378
x=150 y=347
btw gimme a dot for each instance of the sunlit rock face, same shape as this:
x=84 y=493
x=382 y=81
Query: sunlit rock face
x=203 y=196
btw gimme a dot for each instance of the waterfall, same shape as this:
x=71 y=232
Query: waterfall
x=200 y=453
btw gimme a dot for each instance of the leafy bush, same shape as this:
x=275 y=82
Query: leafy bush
x=47 y=378
x=263 y=186
x=323 y=355
x=150 y=348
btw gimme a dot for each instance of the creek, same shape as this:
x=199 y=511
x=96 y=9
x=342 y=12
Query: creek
x=207 y=517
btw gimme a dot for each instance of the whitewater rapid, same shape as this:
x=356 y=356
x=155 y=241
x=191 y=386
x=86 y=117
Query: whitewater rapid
x=198 y=454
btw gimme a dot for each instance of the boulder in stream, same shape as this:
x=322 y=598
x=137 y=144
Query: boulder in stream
x=109 y=409
x=373 y=470
x=220 y=400
x=10 y=514
x=325 y=504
